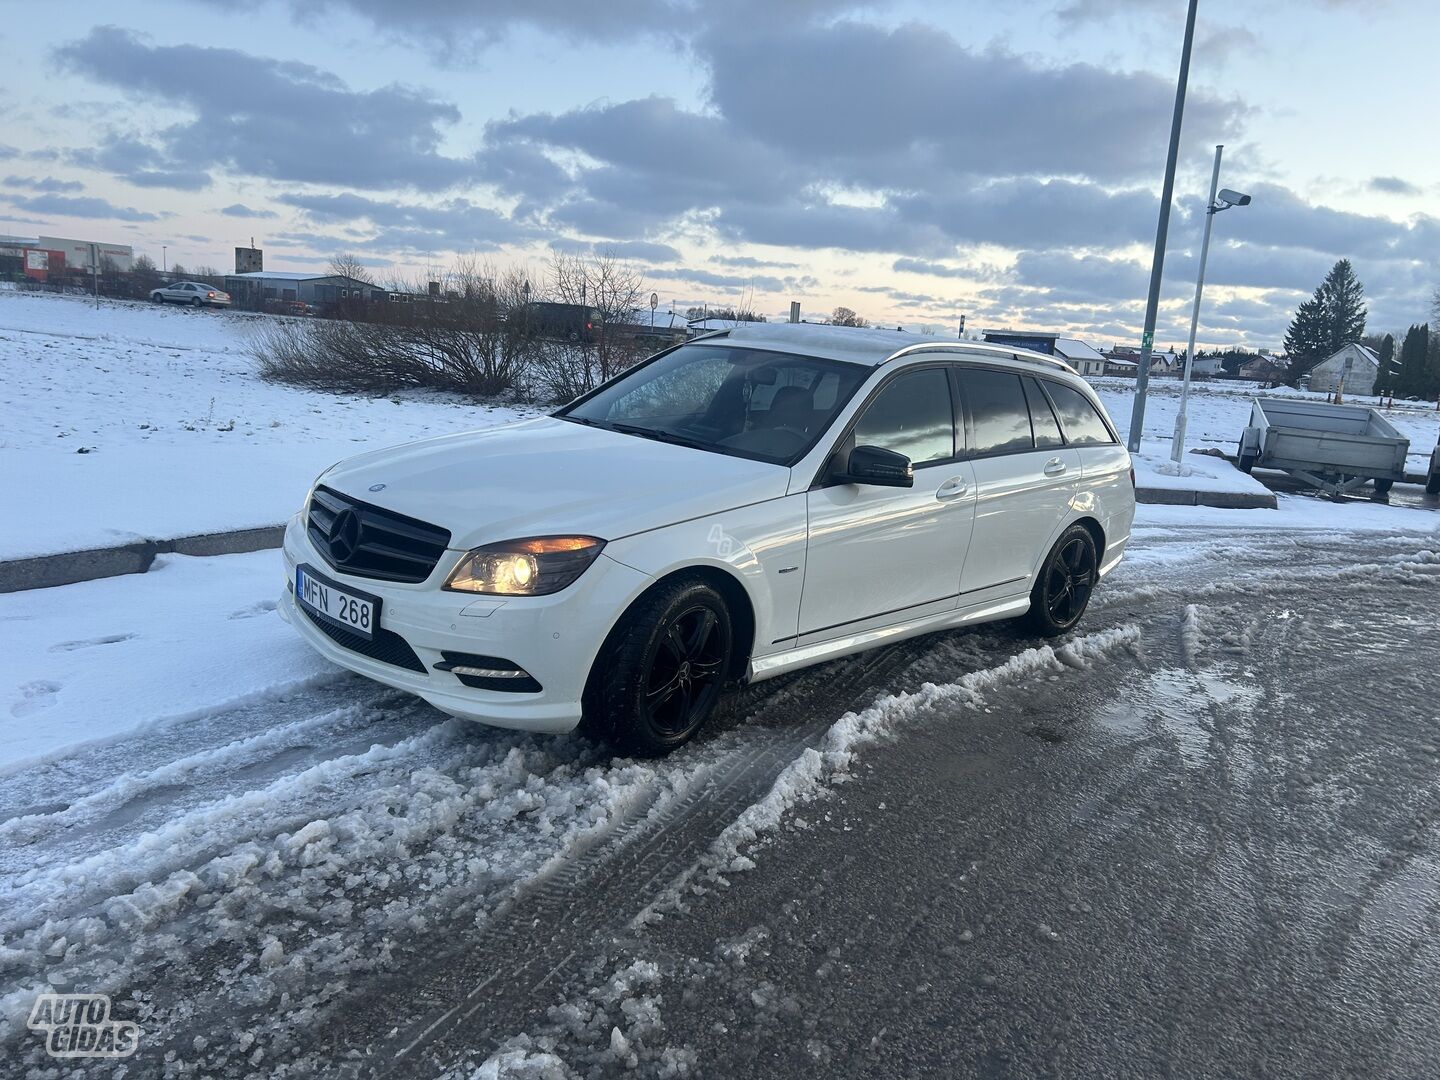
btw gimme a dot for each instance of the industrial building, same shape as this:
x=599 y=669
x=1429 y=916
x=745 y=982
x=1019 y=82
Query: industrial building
x=251 y=290
x=43 y=257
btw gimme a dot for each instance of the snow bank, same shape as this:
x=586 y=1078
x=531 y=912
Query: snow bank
x=102 y=660
x=134 y=421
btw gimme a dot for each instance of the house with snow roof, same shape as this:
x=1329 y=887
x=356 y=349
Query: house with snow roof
x=1082 y=357
x=1353 y=364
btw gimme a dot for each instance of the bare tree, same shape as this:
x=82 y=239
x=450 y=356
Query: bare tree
x=843 y=316
x=348 y=264
x=612 y=287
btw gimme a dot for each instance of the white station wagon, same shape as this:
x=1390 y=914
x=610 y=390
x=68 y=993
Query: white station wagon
x=736 y=507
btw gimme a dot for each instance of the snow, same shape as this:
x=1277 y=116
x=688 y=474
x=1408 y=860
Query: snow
x=94 y=662
x=1198 y=472
x=135 y=421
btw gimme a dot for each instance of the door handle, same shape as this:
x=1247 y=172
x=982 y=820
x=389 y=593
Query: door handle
x=1054 y=467
x=952 y=489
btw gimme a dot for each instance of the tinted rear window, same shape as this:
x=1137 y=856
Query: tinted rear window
x=1042 y=418
x=997 y=410
x=1082 y=424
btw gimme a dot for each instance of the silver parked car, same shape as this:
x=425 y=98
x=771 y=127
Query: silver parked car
x=196 y=293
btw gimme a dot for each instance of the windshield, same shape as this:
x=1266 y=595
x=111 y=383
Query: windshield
x=745 y=402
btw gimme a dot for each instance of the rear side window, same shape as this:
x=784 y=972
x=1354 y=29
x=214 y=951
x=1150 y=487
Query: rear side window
x=997 y=410
x=1042 y=418
x=1082 y=424
x=911 y=416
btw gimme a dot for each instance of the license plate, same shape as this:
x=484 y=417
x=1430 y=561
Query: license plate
x=338 y=605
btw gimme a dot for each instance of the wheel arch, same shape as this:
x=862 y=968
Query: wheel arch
x=1097 y=533
x=728 y=585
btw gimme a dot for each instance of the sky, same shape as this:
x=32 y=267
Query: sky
x=914 y=162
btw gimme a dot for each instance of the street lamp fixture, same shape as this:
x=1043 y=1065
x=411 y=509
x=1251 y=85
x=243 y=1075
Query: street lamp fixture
x=1221 y=200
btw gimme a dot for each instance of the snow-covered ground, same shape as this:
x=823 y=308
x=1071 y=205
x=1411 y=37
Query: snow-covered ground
x=133 y=421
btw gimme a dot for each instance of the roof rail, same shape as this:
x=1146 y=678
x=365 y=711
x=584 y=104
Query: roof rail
x=1004 y=352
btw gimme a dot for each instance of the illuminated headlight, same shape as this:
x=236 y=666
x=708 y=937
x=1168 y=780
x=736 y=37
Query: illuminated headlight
x=533 y=567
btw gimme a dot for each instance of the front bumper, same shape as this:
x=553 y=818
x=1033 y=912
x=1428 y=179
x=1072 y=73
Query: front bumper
x=554 y=638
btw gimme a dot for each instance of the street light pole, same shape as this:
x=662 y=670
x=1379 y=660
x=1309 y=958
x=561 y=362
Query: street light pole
x=1177 y=444
x=1157 y=267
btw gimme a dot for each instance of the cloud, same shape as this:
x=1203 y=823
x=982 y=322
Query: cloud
x=452 y=225
x=930 y=107
x=43 y=183
x=79 y=207
x=240 y=210
x=291 y=122
x=1392 y=185
x=763 y=282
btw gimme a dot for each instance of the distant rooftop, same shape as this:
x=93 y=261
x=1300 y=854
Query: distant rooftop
x=285 y=275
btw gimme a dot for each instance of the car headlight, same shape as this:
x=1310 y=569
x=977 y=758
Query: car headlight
x=536 y=566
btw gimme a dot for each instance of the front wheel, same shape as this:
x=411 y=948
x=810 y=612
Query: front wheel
x=1382 y=487
x=1066 y=579
x=660 y=675
x=196 y=302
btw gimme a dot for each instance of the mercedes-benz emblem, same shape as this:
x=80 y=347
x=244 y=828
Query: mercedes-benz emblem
x=344 y=535
x=377 y=487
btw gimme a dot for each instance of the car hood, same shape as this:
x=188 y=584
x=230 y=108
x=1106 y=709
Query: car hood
x=547 y=476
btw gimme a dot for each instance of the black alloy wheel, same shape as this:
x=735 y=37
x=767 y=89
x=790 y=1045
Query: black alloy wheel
x=1067 y=578
x=662 y=670
x=686 y=671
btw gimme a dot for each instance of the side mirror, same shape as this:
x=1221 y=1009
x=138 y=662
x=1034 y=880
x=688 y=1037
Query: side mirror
x=878 y=466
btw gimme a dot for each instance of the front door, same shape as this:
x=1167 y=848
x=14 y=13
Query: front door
x=881 y=555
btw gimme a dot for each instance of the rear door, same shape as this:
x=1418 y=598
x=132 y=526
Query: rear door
x=1024 y=480
x=881 y=555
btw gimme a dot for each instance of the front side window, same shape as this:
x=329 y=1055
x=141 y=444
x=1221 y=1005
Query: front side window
x=911 y=416
x=744 y=402
x=1083 y=425
x=997 y=410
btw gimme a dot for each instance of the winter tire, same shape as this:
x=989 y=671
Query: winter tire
x=1067 y=578
x=1246 y=462
x=661 y=671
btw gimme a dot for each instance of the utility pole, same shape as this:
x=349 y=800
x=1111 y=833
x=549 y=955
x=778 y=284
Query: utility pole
x=95 y=270
x=1162 y=231
x=1177 y=444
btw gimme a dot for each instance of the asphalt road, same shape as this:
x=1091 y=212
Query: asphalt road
x=1196 y=842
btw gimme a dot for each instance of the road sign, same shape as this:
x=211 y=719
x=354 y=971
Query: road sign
x=1147 y=340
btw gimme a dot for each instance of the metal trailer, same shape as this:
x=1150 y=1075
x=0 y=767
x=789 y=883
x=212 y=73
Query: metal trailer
x=1432 y=478
x=1335 y=448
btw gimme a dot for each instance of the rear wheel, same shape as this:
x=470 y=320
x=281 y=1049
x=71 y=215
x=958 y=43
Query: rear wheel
x=1432 y=485
x=1066 y=580
x=660 y=675
x=1246 y=462
x=1382 y=487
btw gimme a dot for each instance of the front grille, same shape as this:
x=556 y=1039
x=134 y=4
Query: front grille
x=388 y=646
x=389 y=546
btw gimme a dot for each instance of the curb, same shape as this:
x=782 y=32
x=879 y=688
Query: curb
x=69 y=567
x=1225 y=500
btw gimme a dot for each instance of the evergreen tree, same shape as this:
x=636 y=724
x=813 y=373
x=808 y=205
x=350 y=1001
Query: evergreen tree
x=1411 y=380
x=1344 y=306
x=1385 y=374
x=1306 y=338
x=1430 y=385
x=1333 y=317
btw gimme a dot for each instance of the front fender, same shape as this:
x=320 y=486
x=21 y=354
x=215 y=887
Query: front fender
x=761 y=546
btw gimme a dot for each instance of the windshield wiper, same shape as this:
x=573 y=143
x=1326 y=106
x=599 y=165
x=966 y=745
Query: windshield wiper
x=659 y=435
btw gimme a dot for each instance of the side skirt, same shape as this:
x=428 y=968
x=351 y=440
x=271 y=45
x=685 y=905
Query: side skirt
x=766 y=667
